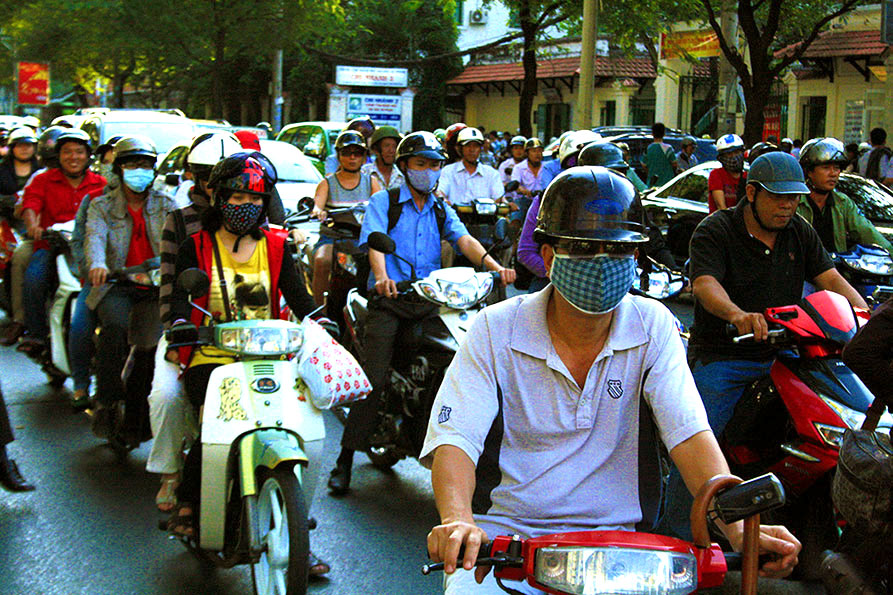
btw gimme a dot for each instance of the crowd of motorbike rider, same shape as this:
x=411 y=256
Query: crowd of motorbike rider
x=581 y=231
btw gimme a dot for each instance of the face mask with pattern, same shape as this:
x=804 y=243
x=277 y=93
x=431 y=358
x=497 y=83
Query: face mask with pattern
x=593 y=285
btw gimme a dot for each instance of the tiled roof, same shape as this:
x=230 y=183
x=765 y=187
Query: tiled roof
x=843 y=44
x=605 y=67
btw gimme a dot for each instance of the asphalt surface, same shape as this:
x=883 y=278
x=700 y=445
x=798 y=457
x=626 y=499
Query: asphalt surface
x=91 y=526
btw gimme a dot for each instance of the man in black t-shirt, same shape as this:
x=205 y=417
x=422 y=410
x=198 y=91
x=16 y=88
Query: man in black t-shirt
x=744 y=260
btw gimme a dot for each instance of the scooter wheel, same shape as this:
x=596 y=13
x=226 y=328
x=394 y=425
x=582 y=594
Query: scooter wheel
x=282 y=516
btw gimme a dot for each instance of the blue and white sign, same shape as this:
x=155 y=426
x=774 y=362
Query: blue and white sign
x=382 y=109
x=371 y=76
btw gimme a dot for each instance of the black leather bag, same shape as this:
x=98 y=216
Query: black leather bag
x=862 y=489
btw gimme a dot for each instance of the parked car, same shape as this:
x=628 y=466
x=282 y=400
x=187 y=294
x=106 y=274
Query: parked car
x=165 y=128
x=315 y=139
x=296 y=172
x=638 y=143
x=679 y=205
x=170 y=167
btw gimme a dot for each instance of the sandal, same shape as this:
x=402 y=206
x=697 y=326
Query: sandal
x=166 y=498
x=180 y=524
x=317 y=566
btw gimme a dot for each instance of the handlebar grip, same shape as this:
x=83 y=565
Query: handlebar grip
x=731 y=330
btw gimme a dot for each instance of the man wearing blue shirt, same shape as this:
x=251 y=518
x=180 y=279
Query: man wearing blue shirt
x=422 y=223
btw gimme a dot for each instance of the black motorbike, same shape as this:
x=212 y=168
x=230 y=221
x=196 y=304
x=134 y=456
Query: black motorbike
x=422 y=351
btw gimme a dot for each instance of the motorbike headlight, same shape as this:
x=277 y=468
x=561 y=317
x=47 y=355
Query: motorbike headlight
x=876 y=264
x=593 y=571
x=270 y=337
x=155 y=277
x=462 y=296
x=485 y=208
x=833 y=435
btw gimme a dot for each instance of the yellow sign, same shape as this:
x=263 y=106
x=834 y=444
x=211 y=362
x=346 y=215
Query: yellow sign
x=697 y=44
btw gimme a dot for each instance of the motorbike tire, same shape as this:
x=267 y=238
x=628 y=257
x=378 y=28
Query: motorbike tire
x=383 y=458
x=285 y=533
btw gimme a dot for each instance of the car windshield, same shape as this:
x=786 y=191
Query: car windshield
x=692 y=186
x=876 y=203
x=333 y=136
x=295 y=171
x=164 y=134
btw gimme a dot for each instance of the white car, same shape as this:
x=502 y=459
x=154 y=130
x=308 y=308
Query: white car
x=297 y=175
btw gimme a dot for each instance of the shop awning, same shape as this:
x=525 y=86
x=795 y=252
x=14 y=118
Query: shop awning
x=861 y=49
x=557 y=70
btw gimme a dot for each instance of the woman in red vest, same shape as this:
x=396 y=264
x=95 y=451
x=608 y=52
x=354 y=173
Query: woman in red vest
x=258 y=270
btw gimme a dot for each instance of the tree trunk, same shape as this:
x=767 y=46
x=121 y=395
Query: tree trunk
x=757 y=97
x=118 y=81
x=528 y=85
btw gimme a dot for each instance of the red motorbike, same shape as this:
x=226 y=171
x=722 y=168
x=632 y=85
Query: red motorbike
x=792 y=422
x=602 y=562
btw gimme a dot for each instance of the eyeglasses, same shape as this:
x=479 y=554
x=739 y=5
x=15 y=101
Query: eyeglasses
x=592 y=248
x=353 y=152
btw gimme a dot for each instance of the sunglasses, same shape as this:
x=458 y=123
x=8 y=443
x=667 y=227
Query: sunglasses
x=353 y=152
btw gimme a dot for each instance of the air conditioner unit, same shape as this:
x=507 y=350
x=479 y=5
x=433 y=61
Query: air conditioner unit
x=477 y=17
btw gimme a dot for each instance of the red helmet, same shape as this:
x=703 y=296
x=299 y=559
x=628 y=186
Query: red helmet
x=451 y=138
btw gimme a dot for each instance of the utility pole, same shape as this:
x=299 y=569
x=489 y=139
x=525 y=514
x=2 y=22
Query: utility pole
x=727 y=97
x=276 y=107
x=583 y=115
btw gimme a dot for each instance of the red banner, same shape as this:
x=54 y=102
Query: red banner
x=697 y=44
x=34 y=83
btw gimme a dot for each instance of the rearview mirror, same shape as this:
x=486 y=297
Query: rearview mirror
x=306 y=204
x=381 y=242
x=195 y=282
x=172 y=179
x=512 y=186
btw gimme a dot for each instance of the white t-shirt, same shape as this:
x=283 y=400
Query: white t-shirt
x=550 y=456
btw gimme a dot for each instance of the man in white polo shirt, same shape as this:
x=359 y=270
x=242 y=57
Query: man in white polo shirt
x=463 y=181
x=547 y=418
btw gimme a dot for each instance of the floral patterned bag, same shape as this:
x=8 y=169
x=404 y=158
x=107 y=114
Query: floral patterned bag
x=329 y=370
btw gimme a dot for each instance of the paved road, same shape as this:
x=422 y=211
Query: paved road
x=90 y=528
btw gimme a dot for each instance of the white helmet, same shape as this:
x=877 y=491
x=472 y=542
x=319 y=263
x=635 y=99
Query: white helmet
x=209 y=148
x=468 y=135
x=31 y=122
x=729 y=142
x=573 y=142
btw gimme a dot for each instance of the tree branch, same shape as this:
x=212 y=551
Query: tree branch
x=417 y=62
x=798 y=51
x=545 y=13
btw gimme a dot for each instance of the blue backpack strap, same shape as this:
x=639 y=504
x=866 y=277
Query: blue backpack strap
x=395 y=208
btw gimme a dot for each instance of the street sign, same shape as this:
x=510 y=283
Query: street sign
x=371 y=76
x=33 y=83
x=382 y=109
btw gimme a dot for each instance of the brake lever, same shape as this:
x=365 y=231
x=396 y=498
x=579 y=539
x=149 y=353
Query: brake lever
x=773 y=334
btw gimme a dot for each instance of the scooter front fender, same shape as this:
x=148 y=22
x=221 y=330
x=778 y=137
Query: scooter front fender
x=268 y=448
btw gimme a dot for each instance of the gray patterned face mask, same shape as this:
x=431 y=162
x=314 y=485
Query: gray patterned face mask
x=593 y=285
x=423 y=180
x=733 y=161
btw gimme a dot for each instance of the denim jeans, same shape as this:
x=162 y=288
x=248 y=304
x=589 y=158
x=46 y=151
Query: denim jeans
x=80 y=340
x=721 y=385
x=38 y=285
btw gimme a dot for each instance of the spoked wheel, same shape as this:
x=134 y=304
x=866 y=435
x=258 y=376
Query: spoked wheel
x=282 y=516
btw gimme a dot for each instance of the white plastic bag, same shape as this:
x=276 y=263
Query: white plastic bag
x=329 y=370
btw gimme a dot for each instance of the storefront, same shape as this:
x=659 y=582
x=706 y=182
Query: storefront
x=624 y=90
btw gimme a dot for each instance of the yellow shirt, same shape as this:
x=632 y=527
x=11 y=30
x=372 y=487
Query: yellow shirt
x=248 y=287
